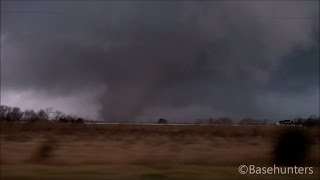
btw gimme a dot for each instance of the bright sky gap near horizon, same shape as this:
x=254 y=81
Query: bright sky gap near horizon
x=179 y=60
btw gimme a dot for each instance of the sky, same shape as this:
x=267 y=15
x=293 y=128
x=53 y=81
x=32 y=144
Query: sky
x=131 y=61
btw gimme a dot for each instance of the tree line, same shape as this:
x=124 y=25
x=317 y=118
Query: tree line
x=16 y=114
x=227 y=120
x=309 y=121
x=48 y=114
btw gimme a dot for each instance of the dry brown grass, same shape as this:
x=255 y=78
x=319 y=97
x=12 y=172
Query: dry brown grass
x=94 y=129
x=154 y=146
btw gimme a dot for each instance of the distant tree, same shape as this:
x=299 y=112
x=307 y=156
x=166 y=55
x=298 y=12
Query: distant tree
x=312 y=121
x=298 y=121
x=162 y=121
x=49 y=112
x=3 y=112
x=7 y=115
x=57 y=115
x=80 y=120
x=10 y=113
x=30 y=115
x=16 y=114
x=43 y=116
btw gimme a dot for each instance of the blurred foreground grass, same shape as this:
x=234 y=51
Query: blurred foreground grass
x=38 y=172
x=91 y=151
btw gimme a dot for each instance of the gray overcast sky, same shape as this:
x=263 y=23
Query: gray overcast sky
x=181 y=60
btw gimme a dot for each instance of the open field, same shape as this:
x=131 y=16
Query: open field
x=102 y=151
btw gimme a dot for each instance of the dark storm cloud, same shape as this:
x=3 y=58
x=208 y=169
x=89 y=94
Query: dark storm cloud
x=162 y=55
